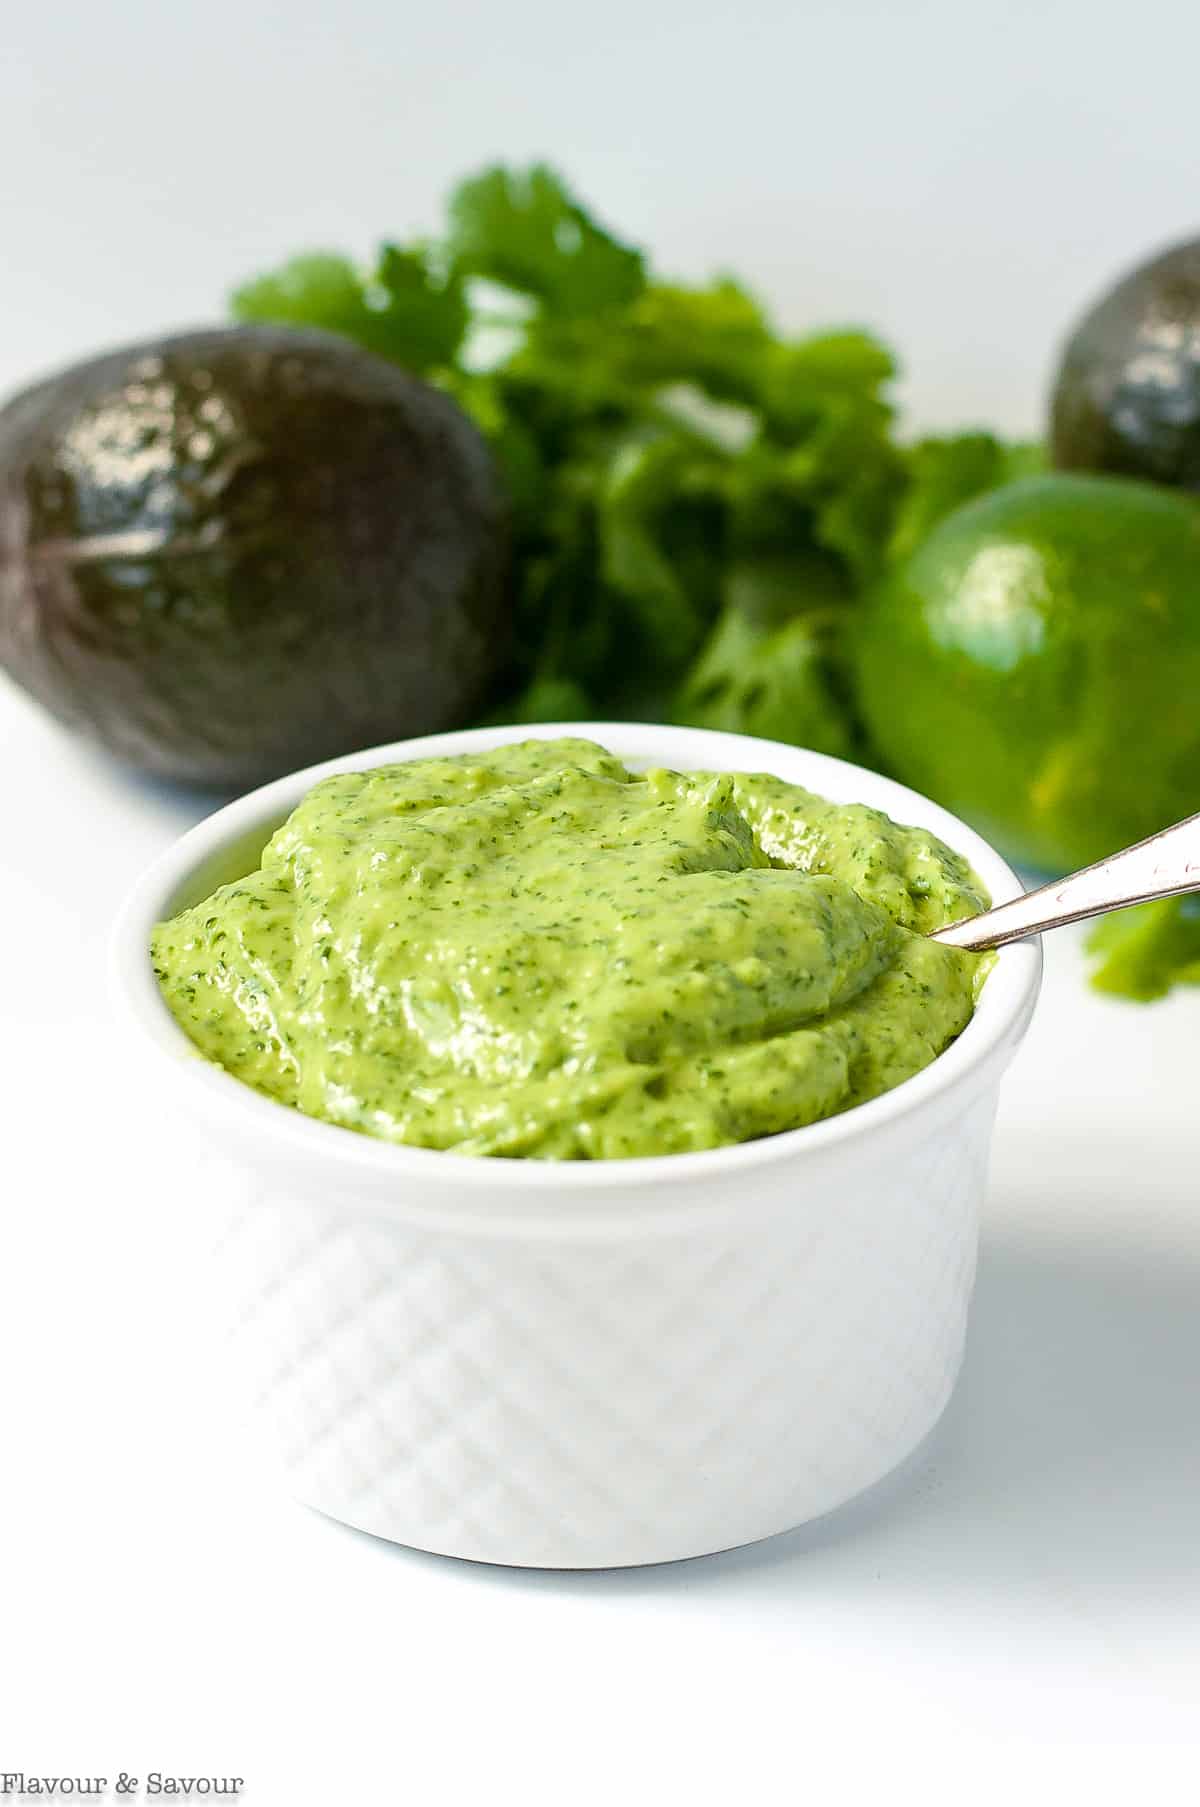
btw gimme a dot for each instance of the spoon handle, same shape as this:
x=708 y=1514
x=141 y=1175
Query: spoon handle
x=1165 y=865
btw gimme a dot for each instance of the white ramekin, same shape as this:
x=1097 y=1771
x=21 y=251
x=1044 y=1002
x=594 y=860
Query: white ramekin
x=580 y=1365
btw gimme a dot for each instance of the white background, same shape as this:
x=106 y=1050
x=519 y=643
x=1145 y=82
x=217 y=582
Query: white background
x=961 y=176
x=1020 y=1616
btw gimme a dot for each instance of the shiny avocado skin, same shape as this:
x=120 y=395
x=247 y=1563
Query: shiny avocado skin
x=237 y=551
x=1126 y=398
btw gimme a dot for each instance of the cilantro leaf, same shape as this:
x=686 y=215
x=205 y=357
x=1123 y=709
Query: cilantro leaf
x=659 y=521
x=698 y=504
x=946 y=472
x=771 y=682
x=807 y=378
x=1146 y=951
x=525 y=230
x=715 y=338
x=317 y=288
x=402 y=312
x=427 y=317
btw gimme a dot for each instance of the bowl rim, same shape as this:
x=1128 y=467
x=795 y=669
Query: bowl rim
x=1001 y=1015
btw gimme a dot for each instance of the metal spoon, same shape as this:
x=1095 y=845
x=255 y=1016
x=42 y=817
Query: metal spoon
x=1165 y=865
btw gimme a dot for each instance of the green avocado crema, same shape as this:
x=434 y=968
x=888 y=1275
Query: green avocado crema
x=536 y=952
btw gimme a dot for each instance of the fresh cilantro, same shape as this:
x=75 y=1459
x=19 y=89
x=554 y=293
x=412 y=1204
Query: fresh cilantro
x=773 y=682
x=524 y=230
x=400 y=310
x=698 y=501
x=945 y=473
x=1146 y=951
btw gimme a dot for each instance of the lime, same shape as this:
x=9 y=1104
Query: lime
x=1035 y=665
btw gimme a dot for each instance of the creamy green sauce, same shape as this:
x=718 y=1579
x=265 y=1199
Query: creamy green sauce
x=536 y=952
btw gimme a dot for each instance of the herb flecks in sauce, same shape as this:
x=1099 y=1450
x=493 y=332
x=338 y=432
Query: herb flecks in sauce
x=535 y=952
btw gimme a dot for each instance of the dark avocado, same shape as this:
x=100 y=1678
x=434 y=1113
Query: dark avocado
x=1127 y=395
x=235 y=552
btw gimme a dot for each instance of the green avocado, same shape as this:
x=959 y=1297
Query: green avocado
x=1127 y=395
x=234 y=552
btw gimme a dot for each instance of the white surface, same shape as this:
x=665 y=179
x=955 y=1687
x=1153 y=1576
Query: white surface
x=1024 y=1621
x=578 y=1365
x=1026 y=1604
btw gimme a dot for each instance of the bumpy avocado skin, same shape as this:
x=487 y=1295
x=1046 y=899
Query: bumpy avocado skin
x=1127 y=395
x=234 y=552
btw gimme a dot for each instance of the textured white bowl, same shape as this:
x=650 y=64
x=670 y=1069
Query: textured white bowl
x=580 y=1365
